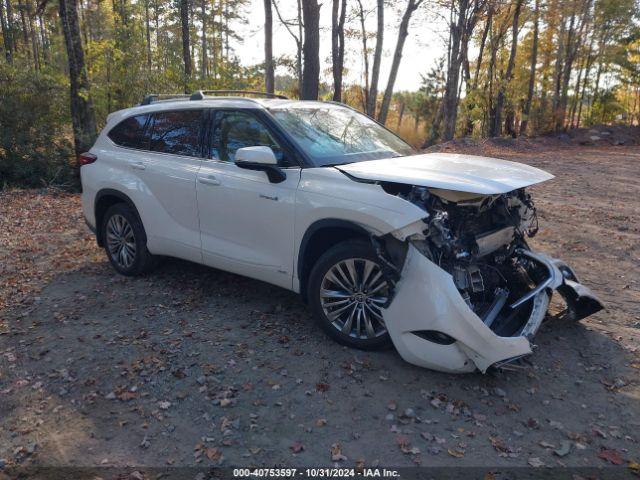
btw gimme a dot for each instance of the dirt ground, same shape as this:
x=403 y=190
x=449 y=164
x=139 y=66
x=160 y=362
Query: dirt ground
x=193 y=366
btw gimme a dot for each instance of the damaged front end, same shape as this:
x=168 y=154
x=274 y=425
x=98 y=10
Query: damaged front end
x=468 y=291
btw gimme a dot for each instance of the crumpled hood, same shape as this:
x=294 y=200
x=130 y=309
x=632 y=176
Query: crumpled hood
x=450 y=171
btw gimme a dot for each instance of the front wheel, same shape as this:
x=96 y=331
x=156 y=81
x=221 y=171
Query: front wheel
x=347 y=291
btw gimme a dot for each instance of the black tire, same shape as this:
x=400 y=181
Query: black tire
x=359 y=250
x=142 y=261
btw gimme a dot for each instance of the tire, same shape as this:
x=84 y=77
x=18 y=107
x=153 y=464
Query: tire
x=340 y=305
x=122 y=222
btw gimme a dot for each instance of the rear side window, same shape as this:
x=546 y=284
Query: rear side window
x=129 y=132
x=177 y=133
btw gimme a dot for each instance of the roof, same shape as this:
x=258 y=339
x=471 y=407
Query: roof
x=185 y=103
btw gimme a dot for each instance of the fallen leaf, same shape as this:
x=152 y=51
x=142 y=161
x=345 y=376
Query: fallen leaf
x=297 y=447
x=454 y=452
x=213 y=454
x=127 y=395
x=611 y=456
x=336 y=453
x=535 y=462
x=564 y=450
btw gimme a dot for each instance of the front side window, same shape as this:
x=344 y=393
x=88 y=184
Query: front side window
x=177 y=133
x=334 y=135
x=236 y=130
x=128 y=133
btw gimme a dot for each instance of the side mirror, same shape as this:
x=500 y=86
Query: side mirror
x=260 y=158
x=261 y=155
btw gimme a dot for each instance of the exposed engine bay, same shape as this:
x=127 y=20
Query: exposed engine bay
x=480 y=240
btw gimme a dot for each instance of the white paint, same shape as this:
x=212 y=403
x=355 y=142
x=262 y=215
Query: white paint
x=450 y=171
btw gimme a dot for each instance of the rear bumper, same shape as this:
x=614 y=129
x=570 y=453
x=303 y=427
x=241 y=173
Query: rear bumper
x=426 y=299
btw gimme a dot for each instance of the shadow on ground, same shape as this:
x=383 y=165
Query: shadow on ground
x=191 y=364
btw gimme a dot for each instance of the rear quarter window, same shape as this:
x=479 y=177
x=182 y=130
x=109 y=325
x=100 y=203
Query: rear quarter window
x=176 y=132
x=129 y=132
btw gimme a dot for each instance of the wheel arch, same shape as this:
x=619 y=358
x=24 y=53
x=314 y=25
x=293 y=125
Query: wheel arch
x=318 y=238
x=105 y=198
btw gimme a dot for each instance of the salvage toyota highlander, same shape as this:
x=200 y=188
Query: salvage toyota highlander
x=427 y=251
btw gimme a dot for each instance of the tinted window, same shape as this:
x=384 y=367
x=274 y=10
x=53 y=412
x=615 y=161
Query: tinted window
x=128 y=133
x=236 y=130
x=177 y=133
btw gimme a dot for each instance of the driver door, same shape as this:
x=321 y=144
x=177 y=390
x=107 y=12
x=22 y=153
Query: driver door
x=246 y=222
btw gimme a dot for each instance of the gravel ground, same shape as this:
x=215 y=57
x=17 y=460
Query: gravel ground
x=194 y=366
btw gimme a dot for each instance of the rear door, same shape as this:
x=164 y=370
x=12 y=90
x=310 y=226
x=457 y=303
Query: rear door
x=169 y=166
x=246 y=222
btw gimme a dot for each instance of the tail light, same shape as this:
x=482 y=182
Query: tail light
x=86 y=158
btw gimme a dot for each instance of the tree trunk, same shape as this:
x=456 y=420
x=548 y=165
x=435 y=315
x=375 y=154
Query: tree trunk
x=403 y=31
x=147 y=32
x=495 y=127
x=476 y=75
x=269 y=80
x=365 y=58
x=186 y=50
x=585 y=82
x=82 y=115
x=372 y=97
x=558 y=73
x=450 y=100
x=573 y=44
x=10 y=27
x=43 y=39
x=311 y=50
x=337 y=45
x=299 y=47
x=526 y=111
x=6 y=37
x=400 y=114
x=33 y=34
x=25 y=30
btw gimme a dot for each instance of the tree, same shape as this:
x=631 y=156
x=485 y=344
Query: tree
x=337 y=45
x=460 y=29
x=296 y=37
x=82 y=114
x=6 y=35
x=403 y=31
x=186 y=50
x=526 y=111
x=268 y=48
x=365 y=56
x=204 y=67
x=495 y=127
x=372 y=95
x=311 y=50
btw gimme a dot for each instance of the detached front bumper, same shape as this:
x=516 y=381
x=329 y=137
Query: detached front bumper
x=432 y=326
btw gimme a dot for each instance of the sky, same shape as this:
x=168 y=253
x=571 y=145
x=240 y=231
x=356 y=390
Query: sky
x=423 y=47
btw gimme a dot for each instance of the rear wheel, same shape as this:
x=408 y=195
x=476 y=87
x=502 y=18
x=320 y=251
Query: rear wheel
x=125 y=241
x=347 y=291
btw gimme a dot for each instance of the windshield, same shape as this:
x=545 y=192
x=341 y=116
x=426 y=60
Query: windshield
x=335 y=135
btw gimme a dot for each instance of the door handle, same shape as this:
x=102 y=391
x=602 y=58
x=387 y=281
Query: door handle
x=137 y=165
x=209 y=180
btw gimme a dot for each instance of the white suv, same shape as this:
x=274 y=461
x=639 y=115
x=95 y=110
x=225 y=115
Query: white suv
x=427 y=251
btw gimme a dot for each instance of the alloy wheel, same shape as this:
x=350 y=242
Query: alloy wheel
x=352 y=294
x=121 y=241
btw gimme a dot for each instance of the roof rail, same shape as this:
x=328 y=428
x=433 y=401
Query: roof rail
x=155 y=97
x=200 y=94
